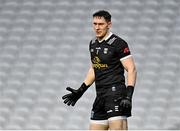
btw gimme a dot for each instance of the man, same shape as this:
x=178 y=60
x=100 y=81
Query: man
x=110 y=56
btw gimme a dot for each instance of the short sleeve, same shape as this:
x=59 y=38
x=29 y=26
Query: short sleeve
x=122 y=49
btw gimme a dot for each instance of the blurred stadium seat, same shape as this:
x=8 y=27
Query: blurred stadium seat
x=44 y=48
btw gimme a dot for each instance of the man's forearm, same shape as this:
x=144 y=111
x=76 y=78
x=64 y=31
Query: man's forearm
x=90 y=77
x=131 y=77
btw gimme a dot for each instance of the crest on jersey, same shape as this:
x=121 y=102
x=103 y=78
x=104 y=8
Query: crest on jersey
x=105 y=50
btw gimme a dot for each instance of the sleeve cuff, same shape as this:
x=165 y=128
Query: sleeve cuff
x=125 y=57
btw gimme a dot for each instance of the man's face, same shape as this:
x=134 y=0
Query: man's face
x=100 y=26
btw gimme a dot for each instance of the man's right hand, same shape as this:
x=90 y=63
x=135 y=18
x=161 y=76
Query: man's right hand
x=73 y=97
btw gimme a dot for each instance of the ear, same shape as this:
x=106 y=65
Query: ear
x=109 y=24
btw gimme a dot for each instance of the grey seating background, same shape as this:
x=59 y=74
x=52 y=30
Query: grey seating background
x=44 y=49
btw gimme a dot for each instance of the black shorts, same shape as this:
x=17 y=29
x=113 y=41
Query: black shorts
x=106 y=105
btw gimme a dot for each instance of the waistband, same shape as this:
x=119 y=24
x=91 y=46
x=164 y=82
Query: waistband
x=107 y=90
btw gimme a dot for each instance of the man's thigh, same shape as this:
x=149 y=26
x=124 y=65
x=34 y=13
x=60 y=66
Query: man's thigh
x=118 y=124
x=99 y=125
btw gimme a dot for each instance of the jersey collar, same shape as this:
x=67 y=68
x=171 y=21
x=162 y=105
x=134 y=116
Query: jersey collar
x=110 y=34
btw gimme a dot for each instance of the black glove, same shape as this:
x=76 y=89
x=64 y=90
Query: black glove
x=73 y=97
x=126 y=102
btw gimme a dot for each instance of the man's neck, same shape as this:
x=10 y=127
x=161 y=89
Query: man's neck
x=108 y=34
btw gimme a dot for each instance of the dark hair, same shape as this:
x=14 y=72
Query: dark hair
x=103 y=13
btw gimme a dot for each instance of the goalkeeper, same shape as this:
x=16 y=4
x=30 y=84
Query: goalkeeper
x=110 y=56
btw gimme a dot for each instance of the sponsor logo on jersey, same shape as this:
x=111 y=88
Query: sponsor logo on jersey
x=97 y=50
x=97 y=63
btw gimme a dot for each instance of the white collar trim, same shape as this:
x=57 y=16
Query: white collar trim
x=110 y=34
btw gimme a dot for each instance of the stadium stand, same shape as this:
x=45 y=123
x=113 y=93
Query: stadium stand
x=44 y=49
